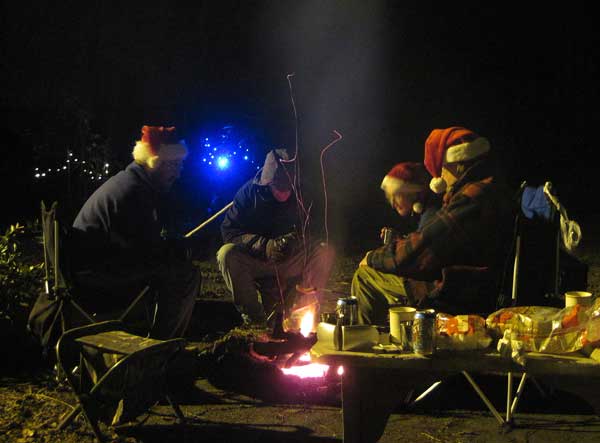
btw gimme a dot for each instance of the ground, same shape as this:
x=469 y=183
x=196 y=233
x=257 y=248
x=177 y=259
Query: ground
x=271 y=407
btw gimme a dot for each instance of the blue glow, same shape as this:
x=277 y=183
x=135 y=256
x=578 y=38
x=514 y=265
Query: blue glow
x=203 y=159
x=245 y=157
x=223 y=162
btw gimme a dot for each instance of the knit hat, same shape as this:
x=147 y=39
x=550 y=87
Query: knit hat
x=273 y=172
x=407 y=177
x=451 y=145
x=158 y=143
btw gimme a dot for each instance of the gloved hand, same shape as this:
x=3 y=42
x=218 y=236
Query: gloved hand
x=280 y=248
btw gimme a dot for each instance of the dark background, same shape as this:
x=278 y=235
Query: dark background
x=382 y=73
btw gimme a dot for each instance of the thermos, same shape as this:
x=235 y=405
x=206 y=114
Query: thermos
x=347 y=311
x=347 y=314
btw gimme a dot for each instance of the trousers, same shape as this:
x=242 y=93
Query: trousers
x=260 y=287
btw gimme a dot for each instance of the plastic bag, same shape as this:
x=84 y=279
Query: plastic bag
x=547 y=329
x=461 y=332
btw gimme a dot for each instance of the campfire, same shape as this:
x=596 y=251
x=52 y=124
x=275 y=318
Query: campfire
x=302 y=366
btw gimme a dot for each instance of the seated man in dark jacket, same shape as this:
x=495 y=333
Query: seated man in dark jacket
x=122 y=246
x=455 y=261
x=264 y=252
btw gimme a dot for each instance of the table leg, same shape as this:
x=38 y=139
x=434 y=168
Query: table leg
x=369 y=396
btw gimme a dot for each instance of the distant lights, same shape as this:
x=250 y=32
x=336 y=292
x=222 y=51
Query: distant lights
x=71 y=164
x=223 y=162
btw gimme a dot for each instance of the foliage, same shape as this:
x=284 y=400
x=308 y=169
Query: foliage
x=20 y=279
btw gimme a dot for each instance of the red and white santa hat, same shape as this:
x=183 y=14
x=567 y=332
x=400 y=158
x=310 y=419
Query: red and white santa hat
x=158 y=143
x=451 y=145
x=407 y=177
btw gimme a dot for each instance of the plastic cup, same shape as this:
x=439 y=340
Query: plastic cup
x=582 y=298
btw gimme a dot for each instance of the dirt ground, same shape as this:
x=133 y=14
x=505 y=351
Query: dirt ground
x=259 y=405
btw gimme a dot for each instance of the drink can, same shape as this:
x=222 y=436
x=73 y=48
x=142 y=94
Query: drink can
x=347 y=311
x=387 y=235
x=423 y=332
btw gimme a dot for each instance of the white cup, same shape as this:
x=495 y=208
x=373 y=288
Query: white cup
x=401 y=318
x=582 y=298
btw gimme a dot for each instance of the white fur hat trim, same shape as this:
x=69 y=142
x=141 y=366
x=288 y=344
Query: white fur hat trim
x=467 y=151
x=394 y=185
x=144 y=154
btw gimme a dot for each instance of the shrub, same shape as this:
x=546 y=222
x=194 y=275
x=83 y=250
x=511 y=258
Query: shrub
x=20 y=276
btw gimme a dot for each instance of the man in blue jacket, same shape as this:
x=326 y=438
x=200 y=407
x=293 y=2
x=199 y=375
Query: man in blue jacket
x=264 y=249
x=122 y=238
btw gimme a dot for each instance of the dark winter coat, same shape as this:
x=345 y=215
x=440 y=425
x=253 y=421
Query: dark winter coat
x=121 y=221
x=472 y=232
x=256 y=217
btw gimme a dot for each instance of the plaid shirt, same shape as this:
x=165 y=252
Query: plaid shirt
x=473 y=228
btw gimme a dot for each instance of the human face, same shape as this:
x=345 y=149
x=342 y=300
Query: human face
x=165 y=174
x=450 y=174
x=402 y=202
x=281 y=195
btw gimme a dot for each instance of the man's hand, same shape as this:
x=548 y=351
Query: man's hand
x=364 y=262
x=280 y=248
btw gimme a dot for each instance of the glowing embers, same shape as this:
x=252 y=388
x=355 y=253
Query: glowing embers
x=304 y=368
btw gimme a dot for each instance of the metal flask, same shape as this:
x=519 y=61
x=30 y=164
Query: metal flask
x=347 y=311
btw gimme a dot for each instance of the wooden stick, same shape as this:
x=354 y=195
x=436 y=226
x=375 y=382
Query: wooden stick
x=204 y=223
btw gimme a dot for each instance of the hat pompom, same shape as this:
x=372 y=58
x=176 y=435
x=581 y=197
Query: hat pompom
x=438 y=185
x=417 y=207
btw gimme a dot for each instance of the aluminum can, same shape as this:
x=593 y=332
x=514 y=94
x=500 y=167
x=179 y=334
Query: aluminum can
x=423 y=332
x=347 y=311
x=387 y=235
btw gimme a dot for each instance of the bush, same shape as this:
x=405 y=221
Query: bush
x=20 y=276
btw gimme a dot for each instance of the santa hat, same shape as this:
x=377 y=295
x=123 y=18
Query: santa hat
x=451 y=145
x=407 y=177
x=158 y=143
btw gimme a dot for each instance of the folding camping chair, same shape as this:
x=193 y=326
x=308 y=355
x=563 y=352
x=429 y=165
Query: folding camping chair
x=536 y=224
x=122 y=375
x=58 y=308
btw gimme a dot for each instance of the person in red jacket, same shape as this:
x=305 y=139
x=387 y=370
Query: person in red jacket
x=454 y=263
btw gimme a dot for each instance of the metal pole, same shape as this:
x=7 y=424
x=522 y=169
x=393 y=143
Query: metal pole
x=484 y=398
x=509 y=396
x=516 y=269
x=204 y=223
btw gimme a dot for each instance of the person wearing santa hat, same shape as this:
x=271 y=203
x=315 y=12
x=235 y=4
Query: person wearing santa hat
x=455 y=261
x=121 y=242
x=406 y=188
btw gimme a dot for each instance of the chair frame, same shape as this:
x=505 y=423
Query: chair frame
x=87 y=392
x=59 y=286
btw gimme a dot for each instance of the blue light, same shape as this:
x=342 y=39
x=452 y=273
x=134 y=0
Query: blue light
x=245 y=157
x=222 y=162
x=203 y=159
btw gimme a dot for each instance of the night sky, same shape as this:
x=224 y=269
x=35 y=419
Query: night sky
x=381 y=73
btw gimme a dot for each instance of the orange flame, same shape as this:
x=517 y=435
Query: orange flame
x=307 y=370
